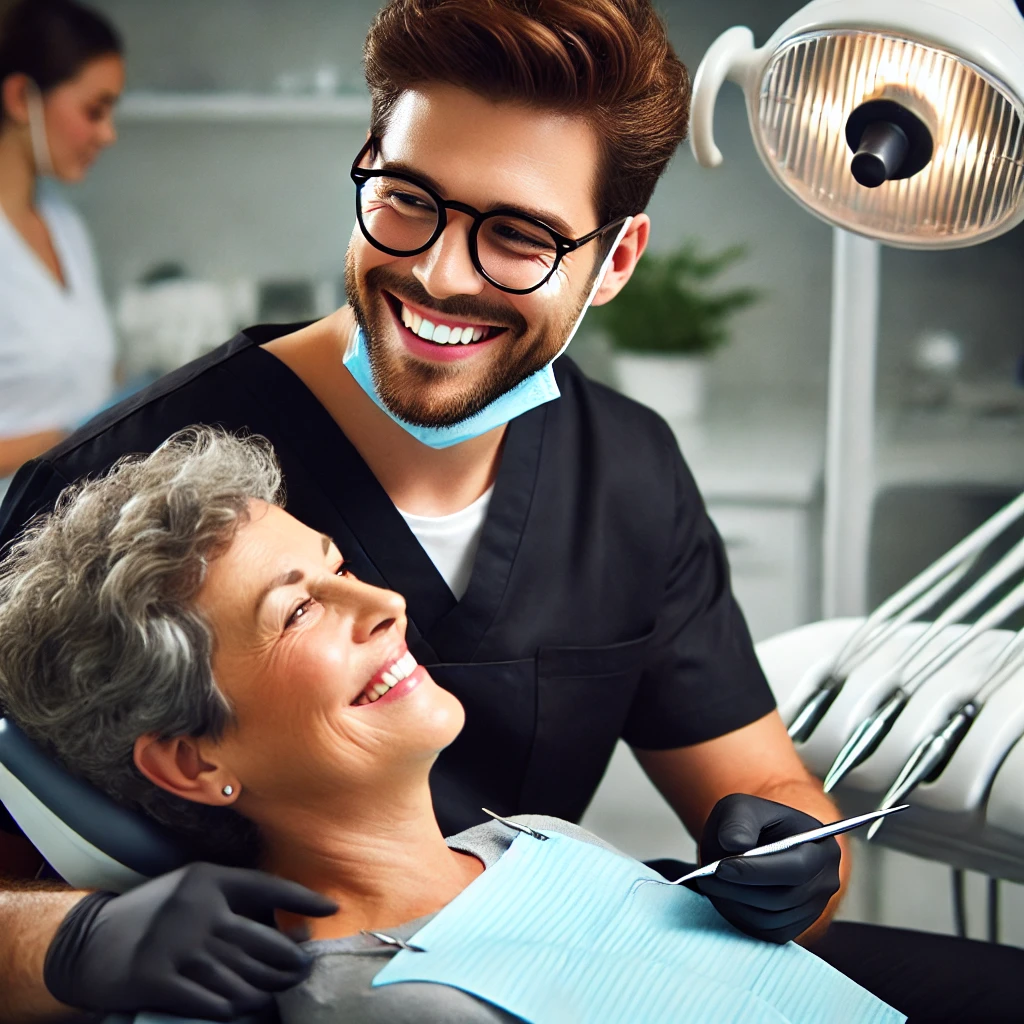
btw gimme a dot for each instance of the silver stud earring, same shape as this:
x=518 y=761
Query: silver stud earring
x=228 y=790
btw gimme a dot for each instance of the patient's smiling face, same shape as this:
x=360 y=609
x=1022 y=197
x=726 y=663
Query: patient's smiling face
x=300 y=647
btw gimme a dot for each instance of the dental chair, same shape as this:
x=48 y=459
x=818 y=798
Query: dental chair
x=91 y=841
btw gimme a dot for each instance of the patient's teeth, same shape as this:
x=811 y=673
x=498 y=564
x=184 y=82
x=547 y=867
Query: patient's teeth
x=425 y=330
x=406 y=316
x=455 y=336
x=478 y=333
x=441 y=333
x=381 y=688
x=389 y=678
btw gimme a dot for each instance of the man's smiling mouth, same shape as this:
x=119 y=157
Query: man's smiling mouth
x=434 y=327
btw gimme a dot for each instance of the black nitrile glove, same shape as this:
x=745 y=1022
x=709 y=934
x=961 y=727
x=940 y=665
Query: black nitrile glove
x=198 y=942
x=775 y=897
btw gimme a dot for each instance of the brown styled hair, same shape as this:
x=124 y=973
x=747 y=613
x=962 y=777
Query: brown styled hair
x=609 y=61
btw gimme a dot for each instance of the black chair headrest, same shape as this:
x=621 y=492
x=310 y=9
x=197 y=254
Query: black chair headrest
x=127 y=836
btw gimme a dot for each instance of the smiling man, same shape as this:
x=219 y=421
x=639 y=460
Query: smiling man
x=562 y=576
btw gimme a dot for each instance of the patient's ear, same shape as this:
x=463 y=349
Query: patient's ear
x=177 y=765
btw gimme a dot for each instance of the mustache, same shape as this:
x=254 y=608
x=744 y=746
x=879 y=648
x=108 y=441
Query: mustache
x=456 y=306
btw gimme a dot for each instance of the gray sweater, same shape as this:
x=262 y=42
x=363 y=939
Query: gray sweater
x=338 y=990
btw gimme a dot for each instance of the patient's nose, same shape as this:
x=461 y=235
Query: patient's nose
x=378 y=611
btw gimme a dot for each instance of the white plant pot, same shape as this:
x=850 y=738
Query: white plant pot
x=672 y=385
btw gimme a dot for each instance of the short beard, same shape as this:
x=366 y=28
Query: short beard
x=415 y=391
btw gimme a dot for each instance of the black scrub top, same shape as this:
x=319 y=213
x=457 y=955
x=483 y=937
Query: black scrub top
x=599 y=604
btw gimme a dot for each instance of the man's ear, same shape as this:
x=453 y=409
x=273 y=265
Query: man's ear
x=14 y=97
x=178 y=766
x=624 y=259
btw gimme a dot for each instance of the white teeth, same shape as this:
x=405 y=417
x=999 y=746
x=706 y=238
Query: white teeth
x=440 y=334
x=401 y=669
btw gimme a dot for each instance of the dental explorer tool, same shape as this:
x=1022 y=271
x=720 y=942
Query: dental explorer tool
x=780 y=846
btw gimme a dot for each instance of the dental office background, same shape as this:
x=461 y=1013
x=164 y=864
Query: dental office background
x=230 y=188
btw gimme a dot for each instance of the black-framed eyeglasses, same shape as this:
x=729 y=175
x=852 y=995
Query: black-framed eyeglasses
x=403 y=216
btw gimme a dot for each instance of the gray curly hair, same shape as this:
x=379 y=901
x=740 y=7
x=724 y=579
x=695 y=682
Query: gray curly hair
x=100 y=639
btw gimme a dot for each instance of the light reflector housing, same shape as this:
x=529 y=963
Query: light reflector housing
x=973 y=186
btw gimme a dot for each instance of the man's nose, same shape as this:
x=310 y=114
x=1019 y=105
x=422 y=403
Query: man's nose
x=446 y=268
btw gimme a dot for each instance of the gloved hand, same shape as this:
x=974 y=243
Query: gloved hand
x=775 y=897
x=198 y=942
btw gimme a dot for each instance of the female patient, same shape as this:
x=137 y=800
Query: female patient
x=174 y=636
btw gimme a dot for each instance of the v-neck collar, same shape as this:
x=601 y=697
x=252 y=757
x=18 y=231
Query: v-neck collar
x=65 y=290
x=452 y=629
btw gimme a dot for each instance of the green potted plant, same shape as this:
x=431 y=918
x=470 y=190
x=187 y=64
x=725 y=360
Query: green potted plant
x=666 y=322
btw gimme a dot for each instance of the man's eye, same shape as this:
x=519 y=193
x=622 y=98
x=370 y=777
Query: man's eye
x=343 y=569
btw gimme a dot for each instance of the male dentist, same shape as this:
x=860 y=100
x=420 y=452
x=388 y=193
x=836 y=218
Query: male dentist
x=561 y=573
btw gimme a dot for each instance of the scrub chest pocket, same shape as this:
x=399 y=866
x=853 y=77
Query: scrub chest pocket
x=544 y=726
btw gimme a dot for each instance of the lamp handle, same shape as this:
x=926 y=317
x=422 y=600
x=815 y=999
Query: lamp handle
x=725 y=59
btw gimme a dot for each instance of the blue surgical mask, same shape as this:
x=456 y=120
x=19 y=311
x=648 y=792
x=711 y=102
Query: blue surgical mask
x=535 y=390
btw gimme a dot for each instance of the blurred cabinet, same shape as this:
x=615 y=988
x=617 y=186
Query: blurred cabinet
x=772 y=557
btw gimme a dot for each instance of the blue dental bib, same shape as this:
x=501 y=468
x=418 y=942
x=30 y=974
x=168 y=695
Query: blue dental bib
x=557 y=932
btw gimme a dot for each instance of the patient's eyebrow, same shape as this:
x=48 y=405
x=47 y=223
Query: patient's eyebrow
x=289 y=578
x=284 y=579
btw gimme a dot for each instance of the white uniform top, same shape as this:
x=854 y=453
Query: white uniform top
x=451 y=541
x=57 y=347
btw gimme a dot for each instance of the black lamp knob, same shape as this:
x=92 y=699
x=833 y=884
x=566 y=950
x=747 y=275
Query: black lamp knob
x=880 y=155
x=889 y=142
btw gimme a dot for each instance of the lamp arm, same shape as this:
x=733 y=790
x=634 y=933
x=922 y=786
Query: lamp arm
x=728 y=58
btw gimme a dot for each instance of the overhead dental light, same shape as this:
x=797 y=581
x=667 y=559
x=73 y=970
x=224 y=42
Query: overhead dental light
x=902 y=120
x=897 y=122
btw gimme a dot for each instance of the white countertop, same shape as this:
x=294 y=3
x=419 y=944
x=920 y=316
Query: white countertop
x=774 y=454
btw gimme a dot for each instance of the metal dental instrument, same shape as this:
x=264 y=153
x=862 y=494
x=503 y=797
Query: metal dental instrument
x=869 y=734
x=933 y=753
x=525 y=829
x=390 y=940
x=837 y=828
x=924 y=590
x=864 y=642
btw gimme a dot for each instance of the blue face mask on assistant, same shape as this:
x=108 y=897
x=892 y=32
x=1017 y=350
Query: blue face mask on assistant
x=535 y=390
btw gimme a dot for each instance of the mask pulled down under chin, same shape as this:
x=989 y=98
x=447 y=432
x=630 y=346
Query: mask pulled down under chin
x=536 y=389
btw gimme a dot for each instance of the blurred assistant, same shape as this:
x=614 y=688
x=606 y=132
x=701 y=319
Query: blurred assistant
x=61 y=72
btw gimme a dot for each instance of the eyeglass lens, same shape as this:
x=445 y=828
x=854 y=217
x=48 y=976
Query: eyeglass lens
x=513 y=252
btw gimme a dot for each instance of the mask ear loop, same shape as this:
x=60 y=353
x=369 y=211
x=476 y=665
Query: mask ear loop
x=37 y=130
x=598 y=281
